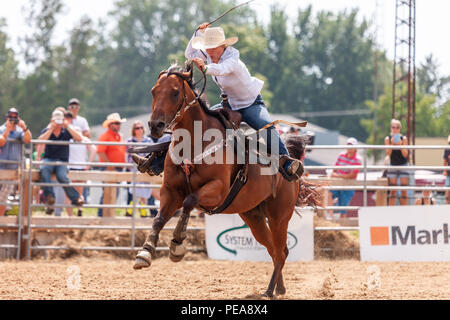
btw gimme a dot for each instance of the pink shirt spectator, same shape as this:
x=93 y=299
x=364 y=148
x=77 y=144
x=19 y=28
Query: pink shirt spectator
x=345 y=160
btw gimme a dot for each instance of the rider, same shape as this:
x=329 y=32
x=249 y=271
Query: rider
x=236 y=83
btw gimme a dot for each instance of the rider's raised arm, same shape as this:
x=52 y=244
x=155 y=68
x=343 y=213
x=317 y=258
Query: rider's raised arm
x=192 y=53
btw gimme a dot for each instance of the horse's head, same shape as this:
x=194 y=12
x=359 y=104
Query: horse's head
x=169 y=97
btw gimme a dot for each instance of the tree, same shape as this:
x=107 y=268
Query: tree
x=429 y=81
x=38 y=91
x=8 y=72
x=75 y=63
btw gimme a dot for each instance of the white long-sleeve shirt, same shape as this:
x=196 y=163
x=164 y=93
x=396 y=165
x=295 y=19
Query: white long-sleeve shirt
x=231 y=75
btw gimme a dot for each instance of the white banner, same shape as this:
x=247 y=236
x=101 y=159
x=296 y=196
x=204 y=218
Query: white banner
x=405 y=233
x=229 y=238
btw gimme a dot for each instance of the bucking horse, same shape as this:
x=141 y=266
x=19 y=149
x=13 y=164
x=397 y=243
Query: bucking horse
x=264 y=202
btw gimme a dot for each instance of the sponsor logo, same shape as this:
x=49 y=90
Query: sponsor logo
x=409 y=235
x=232 y=240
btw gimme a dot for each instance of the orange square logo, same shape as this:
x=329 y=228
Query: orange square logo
x=379 y=236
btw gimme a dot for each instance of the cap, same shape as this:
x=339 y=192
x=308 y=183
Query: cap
x=74 y=101
x=12 y=110
x=352 y=141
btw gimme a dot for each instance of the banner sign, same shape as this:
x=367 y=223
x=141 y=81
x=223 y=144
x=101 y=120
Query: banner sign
x=229 y=238
x=405 y=233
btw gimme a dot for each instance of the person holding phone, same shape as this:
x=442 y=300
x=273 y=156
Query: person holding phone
x=398 y=157
x=59 y=129
x=13 y=133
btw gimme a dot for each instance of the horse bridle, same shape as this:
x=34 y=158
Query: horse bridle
x=180 y=110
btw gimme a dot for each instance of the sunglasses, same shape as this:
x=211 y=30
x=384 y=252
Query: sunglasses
x=116 y=123
x=139 y=128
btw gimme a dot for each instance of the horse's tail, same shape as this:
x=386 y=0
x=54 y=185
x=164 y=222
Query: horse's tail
x=308 y=195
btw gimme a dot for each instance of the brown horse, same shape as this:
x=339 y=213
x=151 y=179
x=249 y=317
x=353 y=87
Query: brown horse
x=265 y=203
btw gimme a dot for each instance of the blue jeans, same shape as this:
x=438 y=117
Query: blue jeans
x=61 y=175
x=344 y=197
x=257 y=116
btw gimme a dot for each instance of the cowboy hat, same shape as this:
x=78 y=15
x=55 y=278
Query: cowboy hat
x=113 y=117
x=212 y=38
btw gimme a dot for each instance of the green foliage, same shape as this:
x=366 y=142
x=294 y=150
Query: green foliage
x=317 y=62
x=8 y=73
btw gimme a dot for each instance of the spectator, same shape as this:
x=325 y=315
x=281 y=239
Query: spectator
x=426 y=199
x=79 y=121
x=348 y=158
x=142 y=194
x=59 y=129
x=114 y=153
x=13 y=129
x=79 y=153
x=447 y=172
x=398 y=157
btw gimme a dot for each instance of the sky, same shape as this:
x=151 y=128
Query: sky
x=431 y=20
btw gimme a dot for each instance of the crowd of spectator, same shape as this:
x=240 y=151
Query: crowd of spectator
x=68 y=125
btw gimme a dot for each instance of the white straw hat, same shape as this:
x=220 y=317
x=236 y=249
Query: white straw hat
x=212 y=38
x=113 y=117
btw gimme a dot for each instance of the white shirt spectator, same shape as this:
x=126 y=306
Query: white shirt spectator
x=79 y=153
x=81 y=123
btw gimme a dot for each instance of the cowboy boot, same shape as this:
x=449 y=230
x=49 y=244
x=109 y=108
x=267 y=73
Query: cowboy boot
x=296 y=168
x=143 y=163
x=294 y=171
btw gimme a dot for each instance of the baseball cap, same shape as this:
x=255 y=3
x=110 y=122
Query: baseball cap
x=74 y=101
x=352 y=141
x=12 y=110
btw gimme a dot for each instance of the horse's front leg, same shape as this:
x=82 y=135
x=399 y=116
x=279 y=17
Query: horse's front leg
x=170 y=202
x=208 y=195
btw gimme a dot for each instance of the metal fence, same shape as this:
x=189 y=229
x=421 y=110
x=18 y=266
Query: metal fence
x=25 y=227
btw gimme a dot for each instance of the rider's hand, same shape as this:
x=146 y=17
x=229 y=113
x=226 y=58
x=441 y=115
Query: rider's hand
x=203 y=26
x=199 y=63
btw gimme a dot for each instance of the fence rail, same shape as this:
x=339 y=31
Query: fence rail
x=27 y=177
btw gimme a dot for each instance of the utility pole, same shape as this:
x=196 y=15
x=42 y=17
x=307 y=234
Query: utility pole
x=404 y=75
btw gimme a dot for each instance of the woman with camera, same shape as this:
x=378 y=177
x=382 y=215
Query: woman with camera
x=398 y=157
x=12 y=135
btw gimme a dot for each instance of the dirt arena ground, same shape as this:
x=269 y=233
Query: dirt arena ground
x=197 y=277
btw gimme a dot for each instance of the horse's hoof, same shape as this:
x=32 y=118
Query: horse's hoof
x=143 y=260
x=177 y=251
x=280 y=292
x=267 y=295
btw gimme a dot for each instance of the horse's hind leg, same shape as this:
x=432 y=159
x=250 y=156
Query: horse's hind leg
x=170 y=202
x=278 y=218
